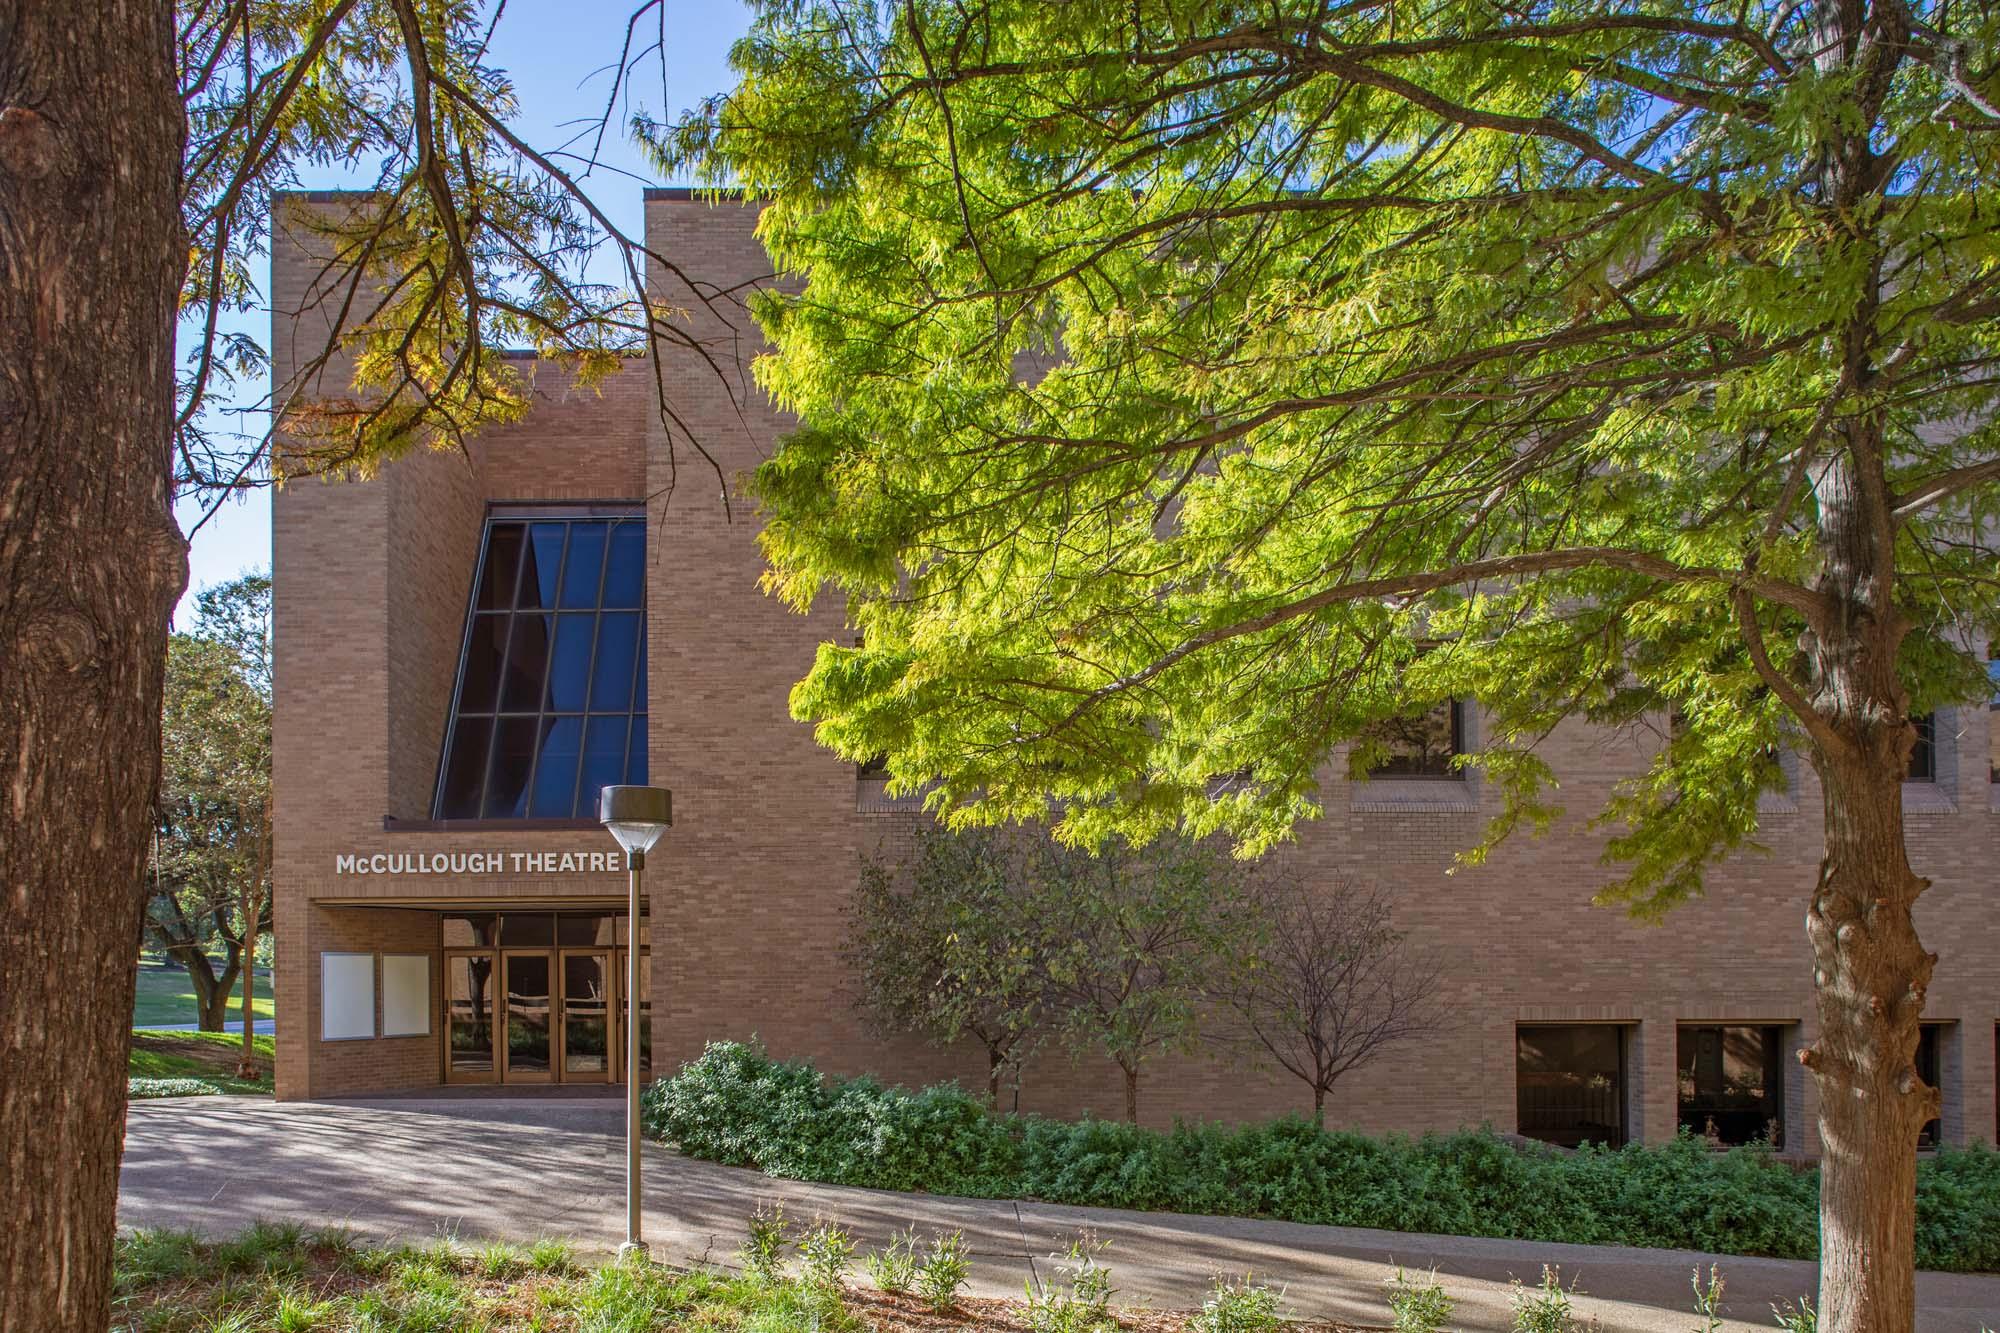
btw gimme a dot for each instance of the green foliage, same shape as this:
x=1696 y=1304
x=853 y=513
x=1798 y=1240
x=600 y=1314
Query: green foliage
x=1418 y=1307
x=893 y=1268
x=943 y=1271
x=735 y=1104
x=1547 y=1308
x=1239 y=1307
x=1799 y=1318
x=825 y=1254
x=1079 y=1301
x=1187 y=390
x=1708 y=1299
x=764 y=1244
x=140 y=1089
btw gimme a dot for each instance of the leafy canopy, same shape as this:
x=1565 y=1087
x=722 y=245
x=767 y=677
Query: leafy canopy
x=1186 y=385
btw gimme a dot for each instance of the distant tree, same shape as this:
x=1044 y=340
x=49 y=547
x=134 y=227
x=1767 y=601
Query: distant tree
x=945 y=943
x=211 y=875
x=1186 y=385
x=1137 y=939
x=1328 y=983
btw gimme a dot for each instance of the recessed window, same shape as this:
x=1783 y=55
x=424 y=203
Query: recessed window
x=1923 y=755
x=1732 y=1084
x=550 y=703
x=1569 y=1083
x=1418 y=745
x=874 y=770
x=1930 y=1068
x=1993 y=722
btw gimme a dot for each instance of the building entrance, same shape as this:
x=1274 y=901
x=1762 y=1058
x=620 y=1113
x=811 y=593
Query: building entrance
x=541 y=1013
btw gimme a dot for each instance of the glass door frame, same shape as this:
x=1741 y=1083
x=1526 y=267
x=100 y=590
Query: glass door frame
x=612 y=1010
x=491 y=1074
x=505 y=1064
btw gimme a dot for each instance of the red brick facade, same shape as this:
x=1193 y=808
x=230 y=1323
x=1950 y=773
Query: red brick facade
x=748 y=890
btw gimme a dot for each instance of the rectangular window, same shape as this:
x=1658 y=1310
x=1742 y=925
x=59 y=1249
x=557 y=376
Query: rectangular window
x=406 y=995
x=1419 y=745
x=1569 y=1083
x=1732 y=1084
x=550 y=702
x=1923 y=755
x=1930 y=1068
x=346 y=996
x=1993 y=722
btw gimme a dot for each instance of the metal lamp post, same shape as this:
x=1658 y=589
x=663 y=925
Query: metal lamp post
x=636 y=817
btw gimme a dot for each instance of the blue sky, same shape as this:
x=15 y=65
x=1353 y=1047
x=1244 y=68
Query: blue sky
x=556 y=52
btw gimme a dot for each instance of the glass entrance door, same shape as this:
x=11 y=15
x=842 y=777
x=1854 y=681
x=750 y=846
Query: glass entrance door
x=587 y=1038
x=471 y=1014
x=530 y=1017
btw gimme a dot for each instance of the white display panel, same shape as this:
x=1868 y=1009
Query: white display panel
x=346 y=996
x=406 y=995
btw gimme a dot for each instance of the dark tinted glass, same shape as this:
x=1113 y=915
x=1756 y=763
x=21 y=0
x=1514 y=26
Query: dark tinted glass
x=1419 y=745
x=584 y=565
x=1923 y=755
x=465 y=769
x=513 y=759
x=527 y=928
x=503 y=558
x=569 y=664
x=617 y=650
x=1569 y=1084
x=555 y=770
x=603 y=757
x=625 y=570
x=542 y=715
x=580 y=928
x=485 y=650
x=527 y=665
x=1732 y=1084
x=543 y=565
x=635 y=755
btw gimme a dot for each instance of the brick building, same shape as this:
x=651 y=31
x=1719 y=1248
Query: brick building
x=467 y=645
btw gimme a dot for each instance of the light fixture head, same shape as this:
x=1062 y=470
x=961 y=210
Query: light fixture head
x=636 y=816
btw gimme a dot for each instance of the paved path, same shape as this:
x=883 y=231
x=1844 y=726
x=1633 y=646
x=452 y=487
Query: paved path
x=519 y=1168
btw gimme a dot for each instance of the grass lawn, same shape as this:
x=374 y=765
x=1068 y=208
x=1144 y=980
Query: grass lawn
x=209 y=1057
x=165 y=995
x=282 y=1277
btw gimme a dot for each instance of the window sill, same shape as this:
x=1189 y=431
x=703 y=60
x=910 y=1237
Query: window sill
x=1403 y=795
x=1927 y=798
x=392 y=824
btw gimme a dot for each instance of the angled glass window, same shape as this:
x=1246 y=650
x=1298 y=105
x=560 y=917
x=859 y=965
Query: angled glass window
x=550 y=703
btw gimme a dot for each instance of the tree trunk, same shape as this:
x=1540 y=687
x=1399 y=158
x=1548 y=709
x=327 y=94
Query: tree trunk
x=1131 y=1073
x=246 y=1066
x=995 y=1061
x=91 y=257
x=1319 y=1106
x=1870 y=974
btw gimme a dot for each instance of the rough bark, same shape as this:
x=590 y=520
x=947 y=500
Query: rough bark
x=246 y=1065
x=91 y=254
x=1870 y=973
x=1131 y=1073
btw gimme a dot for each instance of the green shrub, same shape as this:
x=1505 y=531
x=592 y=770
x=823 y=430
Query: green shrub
x=894 y=1267
x=1545 y=1309
x=1238 y=1307
x=1418 y=1307
x=763 y=1250
x=1081 y=1303
x=943 y=1272
x=737 y=1105
x=140 y=1089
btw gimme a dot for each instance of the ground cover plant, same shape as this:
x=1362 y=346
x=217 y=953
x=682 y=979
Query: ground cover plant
x=738 y=1106
x=175 y=1064
x=291 y=1279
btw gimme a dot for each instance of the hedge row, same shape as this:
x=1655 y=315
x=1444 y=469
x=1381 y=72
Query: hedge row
x=737 y=1106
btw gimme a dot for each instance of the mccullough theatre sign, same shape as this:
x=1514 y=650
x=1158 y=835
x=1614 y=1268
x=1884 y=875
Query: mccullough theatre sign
x=479 y=863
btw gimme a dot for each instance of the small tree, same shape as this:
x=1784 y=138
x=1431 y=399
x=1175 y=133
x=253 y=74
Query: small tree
x=1330 y=982
x=944 y=943
x=1135 y=941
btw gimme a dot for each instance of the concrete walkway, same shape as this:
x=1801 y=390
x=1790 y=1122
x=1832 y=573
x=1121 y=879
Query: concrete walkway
x=520 y=1168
